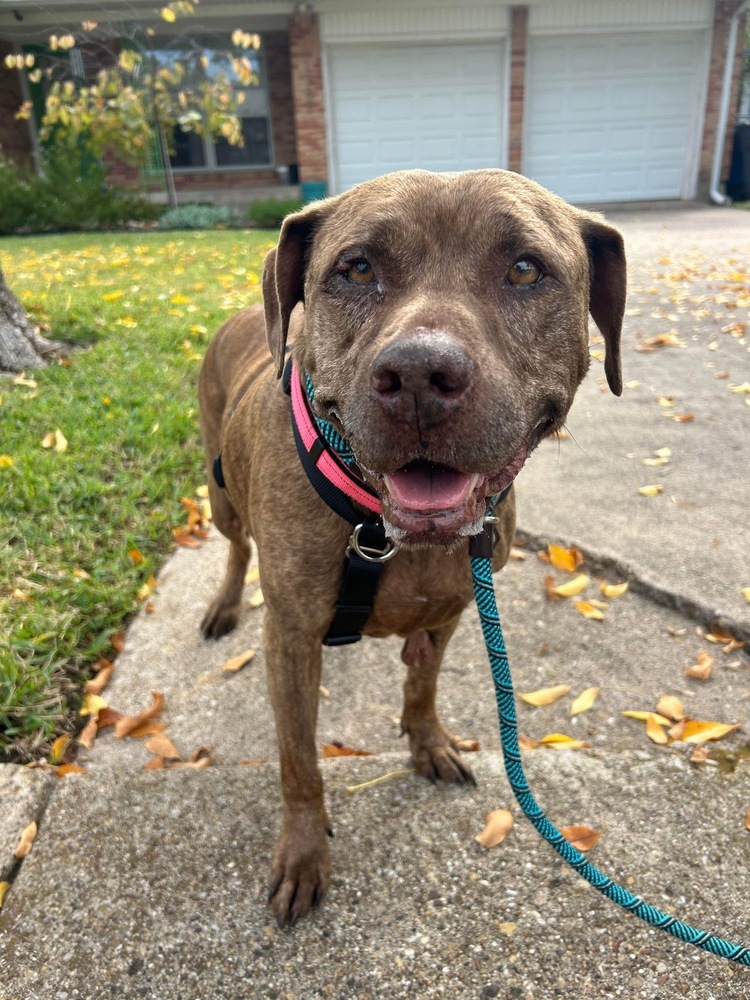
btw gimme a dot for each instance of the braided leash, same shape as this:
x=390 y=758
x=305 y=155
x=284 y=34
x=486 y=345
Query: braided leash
x=484 y=593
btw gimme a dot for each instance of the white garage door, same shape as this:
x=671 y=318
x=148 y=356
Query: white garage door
x=611 y=117
x=439 y=107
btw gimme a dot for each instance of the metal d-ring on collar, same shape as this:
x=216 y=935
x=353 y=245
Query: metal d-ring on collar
x=367 y=552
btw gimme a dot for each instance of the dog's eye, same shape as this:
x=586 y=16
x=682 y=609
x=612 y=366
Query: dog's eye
x=360 y=272
x=524 y=272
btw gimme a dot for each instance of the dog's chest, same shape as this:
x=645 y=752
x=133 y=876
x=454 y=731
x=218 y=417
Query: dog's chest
x=420 y=590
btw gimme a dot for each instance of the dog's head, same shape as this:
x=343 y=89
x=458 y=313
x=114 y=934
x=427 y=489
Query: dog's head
x=445 y=330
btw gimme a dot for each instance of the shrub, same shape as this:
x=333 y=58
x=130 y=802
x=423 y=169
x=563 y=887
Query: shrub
x=270 y=214
x=195 y=216
x=16 y=198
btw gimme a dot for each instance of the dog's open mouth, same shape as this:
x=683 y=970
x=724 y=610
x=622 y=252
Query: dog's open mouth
x=435 y=501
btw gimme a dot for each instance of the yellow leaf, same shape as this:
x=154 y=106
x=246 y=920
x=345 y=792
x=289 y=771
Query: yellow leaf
x=144 y=592
x=614 y=589
x=256 y=599
x=545 y=696
x=508 y=927
x=655 y=461
x=654 y=731
x=48 y=440
x=746 y=593
x=695 y=731
x=4 y=886
x=671 y=707
x=61 y=442
x=584 y=701
x=652 y=490
x=561 y=741
x=236 y=663
x=572 y=587
x=27 y=839
x=498 y=825
x=65 y=769
x=565 y=559
x=5 y=463
x=92 y=703
x=645 y=716
x=202 y=491
x=58 y=748
x=587 y=609
x=168 y=15
x=744 y=388
x=581 y=837
x=252 y=576
x=665 y=402
x=663 y=453
x=701 y=669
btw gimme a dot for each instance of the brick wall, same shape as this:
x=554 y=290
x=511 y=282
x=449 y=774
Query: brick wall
x=279 y=75
x=307 y=88
x=722 y=15
x=15 y=143
x=519 y=20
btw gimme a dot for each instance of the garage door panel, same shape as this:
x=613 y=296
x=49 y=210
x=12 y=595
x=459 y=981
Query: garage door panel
x=610 y=117
x=397 y=107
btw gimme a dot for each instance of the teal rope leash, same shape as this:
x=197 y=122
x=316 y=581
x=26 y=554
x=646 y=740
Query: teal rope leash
x=484 y=593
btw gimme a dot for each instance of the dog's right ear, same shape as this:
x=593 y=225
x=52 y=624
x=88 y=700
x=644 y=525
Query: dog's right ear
x=284 y=277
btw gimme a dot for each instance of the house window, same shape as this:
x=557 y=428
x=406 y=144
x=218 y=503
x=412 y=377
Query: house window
x=207 y=58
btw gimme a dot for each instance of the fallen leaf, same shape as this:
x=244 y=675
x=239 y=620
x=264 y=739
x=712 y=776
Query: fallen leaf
x=549 y=587
x=100 y=680
x=565 y=559
x=202 y=491
x=48 y=440
x=721 y=374
x=338 y=750
x=581 y=837
x=561 y=741
x=573 y=587
x=4 y=886
x=718 y=635
x=699 y=755
x=681 y=418
x=61 y=442
x=614 y=589
x=507 y=927
x=148 y=728
x=25 y=843
x=653 y=490
x=88 y=733
x=118 y=642
x=588 y=610
x=468 y=746
x=236 y=663
x=155 y=764
x=584 y=701
x=135 y=556
x=58 y=748
x=655 y=731
x=663 y=453
x=256 y=599
x=517 y=554
x=701 y=669
x=108 y=717
x=253 y=762
x=655 y=461
x=65 y=769
x=747 y=827
x=126 y=725
x=498 y=825
x=192 y=765
x=671 y=707
x=665 y=402
x=696 y=731
x=669 y=339
x=252 y=575
x=187 y=541
x=645 y=716
x=745 y=591
x=740 y=389
x=19 y=595
x=544 y=696
x=526 y=743
x=324 y=691
x=92 y=704
x=161 y=746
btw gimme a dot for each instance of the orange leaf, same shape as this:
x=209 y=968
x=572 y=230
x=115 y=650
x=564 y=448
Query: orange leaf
x=236 y=663
x=187 y=541
x=65 y=769
x=581 y=837
x=155 y=764
x=58 y=748
x=526 y=743
x=695 y=731
x=161 y=746
x=118 y=642
x=560 y=741
x=88 y=733
x=126 y=725
x=564 y=559
x=338 y=750
x=498 y=825
x=545 y=696
x=468 y=746
x=108 y=717
x=136 y=556
x=27 y=839
x=588 y=610
x=97 y=683
x=701 y=669
x=148 y=728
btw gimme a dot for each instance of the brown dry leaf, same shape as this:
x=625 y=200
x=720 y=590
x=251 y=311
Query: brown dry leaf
x=718 y=635
x=681 y=418
x=257 y=599
x=564 y=559
x=696 y=731
x=192 y=765
x=236 y=663
x=671 y=707
x=155 y=764
x=747 y=827
x=573 y=587
x=88 y=733
x=655 y=732
x=468 y=746
x=526 y=742
x=645 y=716
x=701 y=669
x=549 y=588
x=588 y=610
x=92 y=704
x=669 y=339
x=338 y=750
x=100 y=680
x=118 y=642
x=652 y=490
x=4 y=886
x=518 y=554
x=543 y=557
x=699 y=755
x=149 y=607
x=108 y=717
x=27 y=839
x=584 y=701
x=148 y=728
x=188 y=541
x=254 y=762
x=161 y=746
x=498 y=825
x=544 y=696
x=58 y=748
x=614 y=589
x=581 y=837
x=65 y=769
x=126 y=725
x=559 y=741
x=675 y=632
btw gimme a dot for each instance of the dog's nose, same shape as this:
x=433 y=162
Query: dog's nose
x=422 y=378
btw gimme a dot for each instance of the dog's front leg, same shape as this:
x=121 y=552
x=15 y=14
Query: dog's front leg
x=434 y=750
x=301 y=867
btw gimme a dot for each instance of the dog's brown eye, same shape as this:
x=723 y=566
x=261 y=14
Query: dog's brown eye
x=361 y=272
x=524 y=272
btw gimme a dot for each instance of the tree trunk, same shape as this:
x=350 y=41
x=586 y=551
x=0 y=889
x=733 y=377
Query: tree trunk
x=21 y=345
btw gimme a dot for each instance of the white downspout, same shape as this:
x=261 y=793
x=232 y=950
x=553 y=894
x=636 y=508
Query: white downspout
x=726 y=93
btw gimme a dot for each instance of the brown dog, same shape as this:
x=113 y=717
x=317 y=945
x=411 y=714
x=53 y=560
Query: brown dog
x=445 y=330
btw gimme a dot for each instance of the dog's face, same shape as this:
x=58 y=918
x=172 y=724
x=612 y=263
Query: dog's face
x=445 y=330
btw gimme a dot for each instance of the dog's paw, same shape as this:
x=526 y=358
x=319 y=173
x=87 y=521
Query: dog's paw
x=219 y=619
x=436 y=756
x=300 y=875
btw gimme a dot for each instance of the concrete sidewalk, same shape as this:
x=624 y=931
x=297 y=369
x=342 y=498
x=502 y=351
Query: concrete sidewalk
x=153 y=884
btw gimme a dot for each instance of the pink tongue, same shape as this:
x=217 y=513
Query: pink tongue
x=429 y=488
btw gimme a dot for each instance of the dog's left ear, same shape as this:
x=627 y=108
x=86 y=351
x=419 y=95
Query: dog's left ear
x=607 y=289
x=284 y=277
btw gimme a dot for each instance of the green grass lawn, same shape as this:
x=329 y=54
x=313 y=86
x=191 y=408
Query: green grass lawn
x=138 y=311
